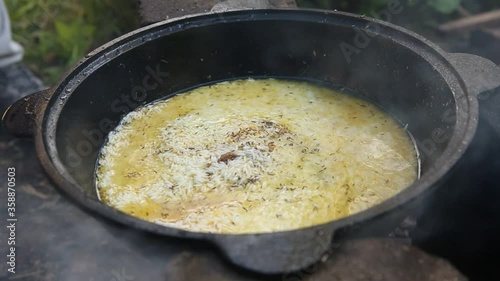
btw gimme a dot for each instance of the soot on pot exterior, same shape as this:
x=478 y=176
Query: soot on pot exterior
x=431 y=91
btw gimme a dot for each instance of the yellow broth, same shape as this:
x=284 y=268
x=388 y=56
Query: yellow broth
x=254 y=156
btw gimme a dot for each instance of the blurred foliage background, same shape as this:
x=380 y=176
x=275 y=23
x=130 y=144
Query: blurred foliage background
x=436 y=7
x=419 y=15
x=57 y=33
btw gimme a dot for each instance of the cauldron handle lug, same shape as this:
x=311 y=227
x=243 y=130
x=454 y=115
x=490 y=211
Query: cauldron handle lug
x=280 y=252
x=482 y=77
x=479 y=74
x=22 y=117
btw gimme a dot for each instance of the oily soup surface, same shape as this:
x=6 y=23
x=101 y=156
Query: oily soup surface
x=252 y=156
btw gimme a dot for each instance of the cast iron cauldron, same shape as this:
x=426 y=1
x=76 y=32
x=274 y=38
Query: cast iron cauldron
x=432 y=91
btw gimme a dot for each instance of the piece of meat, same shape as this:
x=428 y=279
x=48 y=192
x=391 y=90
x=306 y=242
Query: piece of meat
x=227 y=157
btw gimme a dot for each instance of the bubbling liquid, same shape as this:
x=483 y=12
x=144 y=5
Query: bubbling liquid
x=254 y=156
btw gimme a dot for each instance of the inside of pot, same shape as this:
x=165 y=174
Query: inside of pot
x=379 y=68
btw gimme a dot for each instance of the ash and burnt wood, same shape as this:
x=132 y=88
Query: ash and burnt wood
x=157 y=10
x=361 y=260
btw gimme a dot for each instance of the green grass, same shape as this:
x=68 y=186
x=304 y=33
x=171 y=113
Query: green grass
x=57 y=33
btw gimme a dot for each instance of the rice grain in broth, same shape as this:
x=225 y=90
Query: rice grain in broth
x=254 y=156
